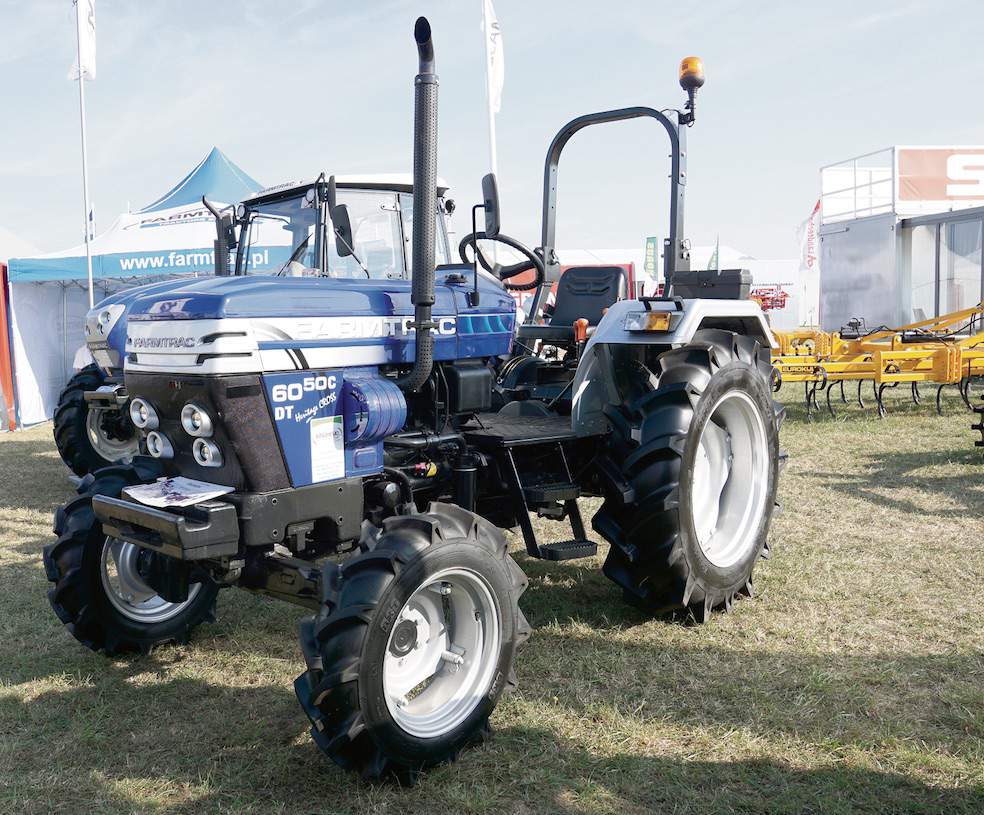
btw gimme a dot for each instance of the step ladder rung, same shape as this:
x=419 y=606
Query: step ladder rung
x=568 y=550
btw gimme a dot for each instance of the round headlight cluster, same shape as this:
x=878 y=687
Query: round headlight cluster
x=207 y=453
x=195 y=421
x=143 y=415
x=158 y=445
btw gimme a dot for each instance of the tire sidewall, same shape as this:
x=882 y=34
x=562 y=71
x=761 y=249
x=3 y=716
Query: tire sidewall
x=383 y=729
x=736 y=376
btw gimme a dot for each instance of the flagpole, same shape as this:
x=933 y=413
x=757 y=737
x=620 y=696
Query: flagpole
x=493 y=162
x=85 y=157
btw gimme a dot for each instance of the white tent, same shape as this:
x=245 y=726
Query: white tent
x=48 y=293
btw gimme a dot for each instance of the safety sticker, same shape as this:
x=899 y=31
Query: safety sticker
x=327 y=448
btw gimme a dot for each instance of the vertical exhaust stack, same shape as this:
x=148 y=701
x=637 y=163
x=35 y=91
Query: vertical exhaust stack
x=424 y=206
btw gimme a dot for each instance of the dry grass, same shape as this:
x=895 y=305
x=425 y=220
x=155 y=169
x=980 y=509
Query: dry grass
x=853 y=682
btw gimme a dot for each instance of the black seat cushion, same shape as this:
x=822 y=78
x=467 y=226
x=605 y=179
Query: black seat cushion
x=586 y=291
x=583 y=291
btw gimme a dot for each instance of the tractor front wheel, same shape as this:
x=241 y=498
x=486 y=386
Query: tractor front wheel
x=99 y=589
x=415 y=643
x=698 y=457
x=88 y=437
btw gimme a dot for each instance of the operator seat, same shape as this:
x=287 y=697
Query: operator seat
x=582 y=291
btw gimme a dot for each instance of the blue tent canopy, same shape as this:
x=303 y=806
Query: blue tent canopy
x=173 y=235
x=215 y=176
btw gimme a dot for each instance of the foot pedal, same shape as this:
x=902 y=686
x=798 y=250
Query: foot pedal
x=568 y=550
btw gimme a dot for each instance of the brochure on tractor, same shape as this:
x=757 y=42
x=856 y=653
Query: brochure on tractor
x=175 y=492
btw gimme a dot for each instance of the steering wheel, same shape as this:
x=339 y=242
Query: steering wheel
x=503 y=273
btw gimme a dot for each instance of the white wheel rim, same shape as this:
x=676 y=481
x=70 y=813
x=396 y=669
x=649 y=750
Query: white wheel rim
x=127 y=591
x=730 y=479
x=441 y=653
x=106 y=447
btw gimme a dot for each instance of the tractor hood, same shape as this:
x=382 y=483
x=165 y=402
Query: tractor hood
x=105 y=324
x=266 y=323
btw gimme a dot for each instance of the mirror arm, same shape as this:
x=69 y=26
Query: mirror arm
x=224 y=239
x=473 y=297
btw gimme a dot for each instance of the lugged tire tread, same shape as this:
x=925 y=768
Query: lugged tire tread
x=330 y=696
x=653 y=433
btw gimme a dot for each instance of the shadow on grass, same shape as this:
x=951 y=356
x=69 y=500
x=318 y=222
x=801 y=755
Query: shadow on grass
x=879 y=472
x=205 y=747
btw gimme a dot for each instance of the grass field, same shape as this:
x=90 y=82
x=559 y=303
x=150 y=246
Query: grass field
x=852 y=682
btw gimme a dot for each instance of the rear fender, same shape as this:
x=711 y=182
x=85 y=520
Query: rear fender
x=594 y=380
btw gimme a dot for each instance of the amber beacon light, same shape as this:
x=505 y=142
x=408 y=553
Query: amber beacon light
x=691 y=78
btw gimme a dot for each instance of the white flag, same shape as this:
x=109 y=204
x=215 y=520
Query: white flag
x=807 y=234
x=494 y=64
x=85 y=61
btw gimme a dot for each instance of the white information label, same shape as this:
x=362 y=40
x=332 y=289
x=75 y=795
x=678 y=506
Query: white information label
x=327 y=448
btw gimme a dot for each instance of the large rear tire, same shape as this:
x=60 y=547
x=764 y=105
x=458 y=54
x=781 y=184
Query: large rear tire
x=697 y=458
x=88 y=438
x=98 y=590
x=414 y=645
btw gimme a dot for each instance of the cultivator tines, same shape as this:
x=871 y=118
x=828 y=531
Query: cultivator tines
x=944 y=351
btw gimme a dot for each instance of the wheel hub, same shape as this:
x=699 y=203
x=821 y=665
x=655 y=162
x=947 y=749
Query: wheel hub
x=404 y=638
x=108 y=437
x=126 y=590
x=730 y=478
x=442 y=652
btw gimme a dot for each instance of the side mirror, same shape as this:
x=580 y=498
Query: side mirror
x=223 y=246
x=342 y=225
x=225 y=237
x=490 y=194
x=330 y=194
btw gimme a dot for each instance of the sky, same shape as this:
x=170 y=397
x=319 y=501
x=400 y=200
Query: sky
x=287 y=90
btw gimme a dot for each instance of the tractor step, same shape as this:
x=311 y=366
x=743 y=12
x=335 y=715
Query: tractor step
x=568 y=550
x=537 y=494
x=496 y=431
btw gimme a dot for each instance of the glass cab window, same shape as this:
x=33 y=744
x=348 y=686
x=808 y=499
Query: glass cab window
x=441 y=252
x=277 y=235
x=376 y=237
x=292 y=236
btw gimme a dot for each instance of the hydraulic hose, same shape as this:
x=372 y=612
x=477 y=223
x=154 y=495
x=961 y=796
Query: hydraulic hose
x=424 y=207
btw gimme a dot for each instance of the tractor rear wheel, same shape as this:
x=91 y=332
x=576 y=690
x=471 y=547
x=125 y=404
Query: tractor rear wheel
x=415 y=643
x=698 y=461
x=99 y=591
x=90 y=438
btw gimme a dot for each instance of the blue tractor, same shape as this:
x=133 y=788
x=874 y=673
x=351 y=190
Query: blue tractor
x=354 y=442
x=92 y=426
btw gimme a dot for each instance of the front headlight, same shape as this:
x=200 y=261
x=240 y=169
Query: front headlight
x=99 y=322
x=207 y=453
x=158 y=445
x=195 y=421
x=143 y=415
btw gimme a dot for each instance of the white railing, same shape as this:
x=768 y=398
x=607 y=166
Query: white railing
x=858 y=187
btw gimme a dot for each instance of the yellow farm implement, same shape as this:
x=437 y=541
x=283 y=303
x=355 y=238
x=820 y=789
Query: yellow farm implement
x=946 y=350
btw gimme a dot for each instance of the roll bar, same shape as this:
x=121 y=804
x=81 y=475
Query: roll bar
x=676 y=257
